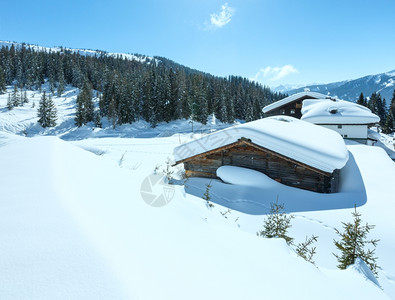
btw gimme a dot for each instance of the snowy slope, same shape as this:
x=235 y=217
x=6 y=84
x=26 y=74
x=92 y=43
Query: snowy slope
x=78 y=229
x=74 y=223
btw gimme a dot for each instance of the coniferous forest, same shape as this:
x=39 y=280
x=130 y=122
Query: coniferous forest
x=154 y=89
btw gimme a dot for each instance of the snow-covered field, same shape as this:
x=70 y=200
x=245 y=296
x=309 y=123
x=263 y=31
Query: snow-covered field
x=75 y=223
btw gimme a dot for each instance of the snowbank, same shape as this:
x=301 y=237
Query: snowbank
x=245 y=177
x=313 y=145
x=328 y=111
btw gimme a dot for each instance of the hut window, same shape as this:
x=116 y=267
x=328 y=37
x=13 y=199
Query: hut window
x=282 y=111
x=340 y=126
x=292 y=111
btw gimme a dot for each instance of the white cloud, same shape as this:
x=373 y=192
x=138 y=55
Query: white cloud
x=274 y=73
x=222 y=18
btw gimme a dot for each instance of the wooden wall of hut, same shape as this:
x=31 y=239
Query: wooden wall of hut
x=275 y=166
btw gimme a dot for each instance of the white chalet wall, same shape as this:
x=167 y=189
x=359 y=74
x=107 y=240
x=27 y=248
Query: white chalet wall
x=350 y=131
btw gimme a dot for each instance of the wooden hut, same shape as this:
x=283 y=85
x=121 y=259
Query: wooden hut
x=287 y=150
x=292 y=105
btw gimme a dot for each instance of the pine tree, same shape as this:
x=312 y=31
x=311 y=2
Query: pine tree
x=79 y=111
x=277 y=223
x=362 y=100
x=113 y=113
x=3 y=88
x=89 y=106
x=47 y=112
x=353 y=242
x=389 y=126
x=15 y=98
x=61 y=84
x=377 y=106
x=85 y=107
x=10 y=105
x=392 y=105
x=24 y=97
x=97 y=120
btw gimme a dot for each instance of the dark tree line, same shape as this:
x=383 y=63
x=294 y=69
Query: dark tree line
x=155 y=90
x=378 y=106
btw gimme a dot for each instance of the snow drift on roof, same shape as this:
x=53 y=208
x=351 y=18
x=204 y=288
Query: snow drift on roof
x=318 y=147
x=291 y=98
x=328 y=111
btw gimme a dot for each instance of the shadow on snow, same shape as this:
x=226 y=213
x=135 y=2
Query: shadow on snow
x=256 y=201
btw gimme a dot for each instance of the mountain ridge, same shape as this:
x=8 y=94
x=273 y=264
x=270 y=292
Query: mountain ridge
x=383 y=83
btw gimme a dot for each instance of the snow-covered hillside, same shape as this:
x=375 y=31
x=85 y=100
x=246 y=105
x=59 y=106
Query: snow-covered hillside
x=75 y=223
x=137 y=57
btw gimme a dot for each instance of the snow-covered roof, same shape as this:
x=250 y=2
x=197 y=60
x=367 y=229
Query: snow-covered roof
x=327 y=111
x=316 y=146
x=292 y=98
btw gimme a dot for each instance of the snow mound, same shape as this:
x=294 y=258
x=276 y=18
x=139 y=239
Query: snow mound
x=327 y=111
x=316 y=146
x=362 y=268
x=244 y=176
x=374 y=135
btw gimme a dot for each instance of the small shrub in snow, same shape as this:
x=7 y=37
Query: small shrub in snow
x=224 y=213
x=168 y=172
x=207 y=196
x=135 y=166
x=277 y=223
x=305 y=249
x=353 y=242
x=121 y=159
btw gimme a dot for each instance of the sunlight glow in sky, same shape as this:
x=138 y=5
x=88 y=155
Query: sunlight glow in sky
x=273 y=42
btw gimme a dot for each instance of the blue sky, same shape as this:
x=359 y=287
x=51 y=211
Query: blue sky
x=273 y=42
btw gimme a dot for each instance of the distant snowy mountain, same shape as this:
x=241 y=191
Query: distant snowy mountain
x=383 y=83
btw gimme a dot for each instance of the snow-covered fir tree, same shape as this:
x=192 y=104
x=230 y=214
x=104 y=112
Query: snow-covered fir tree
x=15 y=97
x=10 y=105
x=46 y=111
